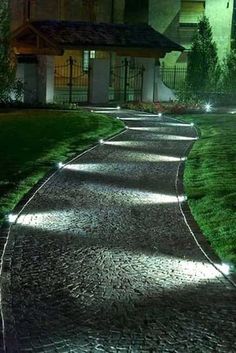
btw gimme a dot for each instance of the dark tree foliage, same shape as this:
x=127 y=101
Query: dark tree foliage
x=229 y=73
x=7 y=73
x=202 y=61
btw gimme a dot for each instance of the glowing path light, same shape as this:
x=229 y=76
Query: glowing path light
x=12 y=218
x=156 y=267
x=158 y=137
x=102 y=111
x=124 y=159
x=152 y=115
x=135 y=119
x=224 y=268
x=175 y=124
x=105 y=108
x=60 y=165
x=208 y=107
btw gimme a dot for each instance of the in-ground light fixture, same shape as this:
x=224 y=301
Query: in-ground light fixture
x=101 y=141
x=160 y=115
x=11 y=218
x=118 y=107
x=224 y=268
x=60 y=165
x=208 y=107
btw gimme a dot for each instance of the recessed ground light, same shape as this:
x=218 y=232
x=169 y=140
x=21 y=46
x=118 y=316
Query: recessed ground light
x=224 y=267
x=60 y=165
x=160 y=115
x=118 y=107
x=11 y=218
x=208 y=107
x=101 y=141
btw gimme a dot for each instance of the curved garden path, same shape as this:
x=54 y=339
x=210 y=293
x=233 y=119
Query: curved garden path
x=101 y=259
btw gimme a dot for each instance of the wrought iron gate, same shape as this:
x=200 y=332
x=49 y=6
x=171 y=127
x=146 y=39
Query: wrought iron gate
x=126 y=82
x=174 y=77
x=71 y=83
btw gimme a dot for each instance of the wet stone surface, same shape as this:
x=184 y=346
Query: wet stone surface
x=104 y=262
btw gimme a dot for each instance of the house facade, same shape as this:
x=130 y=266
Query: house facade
x=178 y=19
x=119 y=62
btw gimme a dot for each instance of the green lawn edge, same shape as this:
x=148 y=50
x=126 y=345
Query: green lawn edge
x=210 y=181
x=32 y=142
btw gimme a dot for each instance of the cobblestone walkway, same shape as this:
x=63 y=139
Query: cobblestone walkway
x=102 y=260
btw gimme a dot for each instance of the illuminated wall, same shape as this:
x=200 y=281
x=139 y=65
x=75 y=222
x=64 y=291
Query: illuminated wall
x=220 y=14
x=72 y=10
x=136 y=11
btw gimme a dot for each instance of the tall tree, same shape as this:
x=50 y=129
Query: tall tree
x=6 y=66
x=202 y=60
x=229 y=73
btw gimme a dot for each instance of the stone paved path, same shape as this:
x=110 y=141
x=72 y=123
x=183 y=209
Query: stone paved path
x=102 y=260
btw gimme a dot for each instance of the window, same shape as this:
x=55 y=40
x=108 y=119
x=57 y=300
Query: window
x=87 y=55
x=191 y=12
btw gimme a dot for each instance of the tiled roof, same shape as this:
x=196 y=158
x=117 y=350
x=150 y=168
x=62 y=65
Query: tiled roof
x=73 y=33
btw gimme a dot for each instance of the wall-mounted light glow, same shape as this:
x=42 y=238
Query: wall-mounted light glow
x=12 y=218
x=208 y=107
x=60 y=165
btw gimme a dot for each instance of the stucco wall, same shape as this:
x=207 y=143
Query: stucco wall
x=220 y=17
x=136 y=11
x=66 y=10
x=164 y=17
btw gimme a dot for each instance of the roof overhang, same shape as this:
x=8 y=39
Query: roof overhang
x=29 y=39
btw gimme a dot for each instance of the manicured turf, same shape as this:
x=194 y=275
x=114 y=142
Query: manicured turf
x=32 y=142
x=210 y=181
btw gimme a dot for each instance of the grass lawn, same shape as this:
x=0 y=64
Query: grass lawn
x=210 y=181
x=33 y=141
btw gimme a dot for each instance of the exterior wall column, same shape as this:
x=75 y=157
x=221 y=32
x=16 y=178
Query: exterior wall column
x=99 y=81
x=30 y=82
x=148 y=78
x=162 y=93
x=46 y=79
x=20 y=76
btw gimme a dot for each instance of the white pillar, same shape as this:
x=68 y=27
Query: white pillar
x=99 y=81
x=162 y=92
x=148 y=78
x=30 y=83
x=46 y=79
x=20 y=76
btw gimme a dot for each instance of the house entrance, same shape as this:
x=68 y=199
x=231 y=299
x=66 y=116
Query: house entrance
x=126 y=82
x=71 y=83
